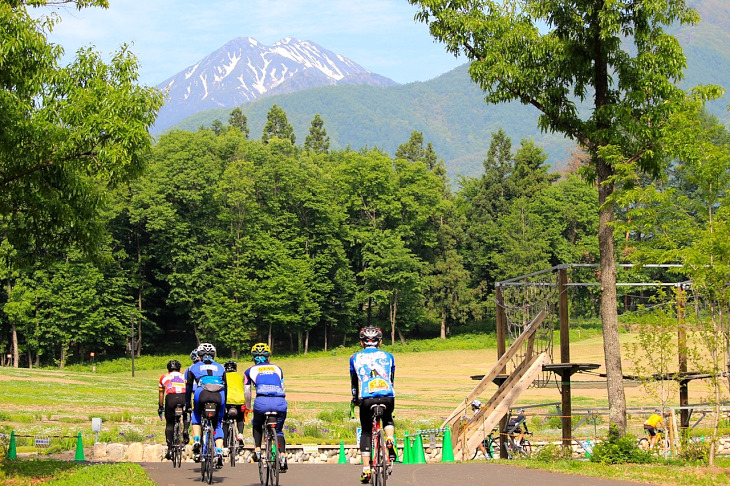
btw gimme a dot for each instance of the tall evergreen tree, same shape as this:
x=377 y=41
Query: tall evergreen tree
x=317 y=141
x=278 y=126
x=238 y=120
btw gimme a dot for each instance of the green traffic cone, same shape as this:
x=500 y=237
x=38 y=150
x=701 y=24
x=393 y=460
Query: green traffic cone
x=79 y=449
x=12 y=453
x=447 y=451
x=343 y=456
x=406 y=449
x=419 y=456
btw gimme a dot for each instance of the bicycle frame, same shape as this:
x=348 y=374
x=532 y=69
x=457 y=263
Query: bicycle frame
x=207 y=443
x=177 y=437
x=269 y=464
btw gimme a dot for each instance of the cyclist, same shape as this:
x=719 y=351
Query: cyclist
x=372 y=372
x=476 y=406
x=651 y=425
x=171 y=393
x=188 y=406
x=515 y=426
x=235 y=399
x=268 y=381
x=210 y=379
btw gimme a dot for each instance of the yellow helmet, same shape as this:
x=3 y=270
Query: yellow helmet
x=260 y=352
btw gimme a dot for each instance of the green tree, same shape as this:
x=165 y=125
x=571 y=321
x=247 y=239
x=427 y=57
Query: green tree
x=238 y=120
x=317 y=141
x=217 y=126
x=552 y=54
x=68 y=133
x=278 y=126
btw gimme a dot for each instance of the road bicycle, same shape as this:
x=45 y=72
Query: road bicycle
x=269 y=462
x=231 y=436
x=523 y=449
x=176 y=450
x=207 y=438
x=661 y=446
x=490 y=444
x=380 y=465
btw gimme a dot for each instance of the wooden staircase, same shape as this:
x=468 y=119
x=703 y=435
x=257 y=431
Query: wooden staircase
x=468 y=435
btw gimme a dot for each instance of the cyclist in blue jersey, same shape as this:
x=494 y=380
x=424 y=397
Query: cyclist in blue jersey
x=210 y=379
x=188 y=406
x=372 y=372
x=268 y=381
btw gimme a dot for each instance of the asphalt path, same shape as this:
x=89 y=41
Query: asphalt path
x=468 y=474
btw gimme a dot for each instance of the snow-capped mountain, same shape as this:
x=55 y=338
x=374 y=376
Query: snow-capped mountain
x=244 y=70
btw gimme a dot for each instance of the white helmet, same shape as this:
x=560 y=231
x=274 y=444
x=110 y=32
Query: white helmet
x=206 y=351
x=476 y=404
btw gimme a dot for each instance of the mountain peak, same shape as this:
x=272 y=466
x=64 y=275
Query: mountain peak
x=244 y=70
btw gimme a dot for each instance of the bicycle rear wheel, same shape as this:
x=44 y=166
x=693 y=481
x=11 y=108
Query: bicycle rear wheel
x=232 y=443
x=209 y=456
x=262 y=461
x=644 y=444
x=176 y=451
x=525 y=448
x=379 y=473
x=274 y=463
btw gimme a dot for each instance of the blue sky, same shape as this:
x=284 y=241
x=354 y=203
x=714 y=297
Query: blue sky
x=167 y=36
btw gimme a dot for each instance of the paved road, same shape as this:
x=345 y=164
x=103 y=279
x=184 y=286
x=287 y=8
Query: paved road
x=469 y=474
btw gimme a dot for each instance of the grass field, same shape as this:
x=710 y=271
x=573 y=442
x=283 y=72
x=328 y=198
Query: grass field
x=431 y=379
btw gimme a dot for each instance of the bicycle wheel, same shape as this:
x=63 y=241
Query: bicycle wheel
x=209 y=456
x=274 y=464
x=203 y=462
x=262 y=461
x=489 y=445
x=176 y=449
x=525 y=448
x=380 y=461
x=232 y=443
x=643 y=444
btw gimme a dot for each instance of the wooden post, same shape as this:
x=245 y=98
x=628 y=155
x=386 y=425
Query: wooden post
x=682 y=351
x=565 y=395
x=501 y=350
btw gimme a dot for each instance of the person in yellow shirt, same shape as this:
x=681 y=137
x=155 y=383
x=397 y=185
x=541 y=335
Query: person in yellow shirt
x=235 y=408
x=652 y=424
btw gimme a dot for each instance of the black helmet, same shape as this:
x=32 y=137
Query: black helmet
x=230 y=365
x=173 y=365
x=371 y=336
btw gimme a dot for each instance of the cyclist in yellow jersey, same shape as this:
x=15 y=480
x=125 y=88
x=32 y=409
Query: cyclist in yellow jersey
x=235 y=401
x=651 y=425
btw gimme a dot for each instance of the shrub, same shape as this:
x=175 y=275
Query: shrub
x=695 y=452
x=551 y=453
x=620 y=450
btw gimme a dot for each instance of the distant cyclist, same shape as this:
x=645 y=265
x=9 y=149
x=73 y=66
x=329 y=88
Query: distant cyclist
x=372 y=372
x=171 y=393
x=476 y=406
x=211 y=387
x=188 y=405
x=268 y=381
x=652 y=425
x=235 y=399
x=516 y=424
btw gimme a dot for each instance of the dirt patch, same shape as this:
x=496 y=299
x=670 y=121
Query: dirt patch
x=42 y=379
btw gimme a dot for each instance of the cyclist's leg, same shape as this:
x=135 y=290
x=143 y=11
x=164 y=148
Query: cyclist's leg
x=219 y=399
x=257 y=426
x=389 y=426
x=195 y=421
x=171 y=401
x=366 y=424
x=281 y=440
x=239 y=422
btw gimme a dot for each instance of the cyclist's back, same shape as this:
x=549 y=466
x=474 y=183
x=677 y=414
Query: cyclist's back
x=372 y=372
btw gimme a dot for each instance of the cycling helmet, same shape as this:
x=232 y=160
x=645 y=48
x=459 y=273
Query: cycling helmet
x=230 y=365
x=173 y=365
x=206 y=351
x=194 y=355
x=476 y=404
x=260 y=352
x=371 y=336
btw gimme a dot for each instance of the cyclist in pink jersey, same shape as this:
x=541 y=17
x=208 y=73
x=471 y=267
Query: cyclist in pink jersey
x=171 y=393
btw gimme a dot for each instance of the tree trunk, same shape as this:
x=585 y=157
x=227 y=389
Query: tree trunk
x=16 y=355
x=326 y=328
x=393 y=312
x=306 y=342
x=443 y=324
x=401 y=336
x=609 y=315
x=269 y=338
x=300 y=340
x=63 y=356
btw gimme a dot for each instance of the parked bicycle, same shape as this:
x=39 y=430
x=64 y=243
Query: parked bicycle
x=490 y=444
x=207 y=455
x=176 y=450
x=516 y=443
x=269 y=462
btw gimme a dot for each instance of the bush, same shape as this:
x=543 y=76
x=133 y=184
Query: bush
x=551 y=453
x=620 y=450
x=695 y=452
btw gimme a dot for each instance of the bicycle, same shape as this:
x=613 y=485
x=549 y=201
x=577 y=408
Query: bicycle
x=490 y=443
x=207 y=438
x=380 y=465
x=231 y=434
x=524 y=448
x=661 y=445
x=269 y=463
x=177 y=438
